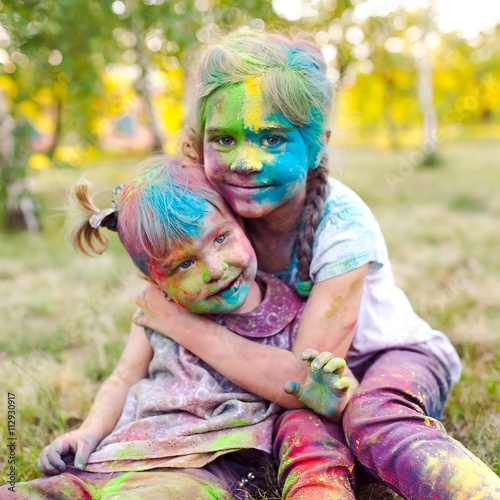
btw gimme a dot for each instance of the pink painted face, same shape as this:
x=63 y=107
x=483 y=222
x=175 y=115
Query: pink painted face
x=253 y=155
x=212 y=273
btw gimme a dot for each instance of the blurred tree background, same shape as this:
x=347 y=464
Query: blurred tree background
x=79 y=78
x=92 y=87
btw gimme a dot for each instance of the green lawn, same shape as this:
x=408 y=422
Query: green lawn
x=66 y=316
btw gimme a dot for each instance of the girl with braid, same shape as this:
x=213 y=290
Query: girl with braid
x=260 y=126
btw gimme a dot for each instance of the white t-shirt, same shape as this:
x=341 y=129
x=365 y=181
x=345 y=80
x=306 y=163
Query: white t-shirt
x=347 y=237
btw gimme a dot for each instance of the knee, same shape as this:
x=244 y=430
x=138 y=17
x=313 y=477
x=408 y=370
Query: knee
x=300 y=429
x=295 y=418
x=378 y=409
x=387 y=418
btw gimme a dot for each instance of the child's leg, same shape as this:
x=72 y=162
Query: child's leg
x=391 y=426
x=315 y=463
x=67 y=485
x=159 y=484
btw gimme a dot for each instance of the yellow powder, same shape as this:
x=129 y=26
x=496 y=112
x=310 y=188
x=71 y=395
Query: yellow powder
x=253 y=104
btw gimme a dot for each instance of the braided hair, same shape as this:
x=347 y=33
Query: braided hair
x=316 y=193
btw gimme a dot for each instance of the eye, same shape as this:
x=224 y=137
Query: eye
x=186 y=265
x=226 y=140
x=220 y=239
x=271 y=140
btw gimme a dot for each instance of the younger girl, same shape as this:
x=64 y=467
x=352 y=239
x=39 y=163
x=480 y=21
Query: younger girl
x=260 y=126
x=185 y=415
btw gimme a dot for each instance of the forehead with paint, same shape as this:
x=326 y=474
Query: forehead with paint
x=163 y=206
x=291 y=73
x=254 y=156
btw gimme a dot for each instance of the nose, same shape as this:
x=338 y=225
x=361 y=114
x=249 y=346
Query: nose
x=216 y=269
x=248 y=160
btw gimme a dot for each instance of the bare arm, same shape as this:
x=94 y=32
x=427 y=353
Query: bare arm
x=110 y=399
x=106 y=408
x=331 y=313
x=329 y=319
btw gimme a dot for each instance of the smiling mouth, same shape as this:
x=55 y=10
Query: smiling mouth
x=251 y=188
x=234 y=283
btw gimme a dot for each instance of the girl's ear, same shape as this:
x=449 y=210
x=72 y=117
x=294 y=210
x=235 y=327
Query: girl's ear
x=145 y=277
x=151 y=281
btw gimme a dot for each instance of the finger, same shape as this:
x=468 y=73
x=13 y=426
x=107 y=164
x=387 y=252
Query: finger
x=293 y=388
x=143 y=304
x=335 y=365
x=321 y=360
x=82 y=454
x=342 y=386
x=139 y=318
x=44 y=464
x=308 y=355
x=54 y=457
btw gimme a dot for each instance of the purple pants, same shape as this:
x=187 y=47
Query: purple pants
x=391 y=426
x=219 y=480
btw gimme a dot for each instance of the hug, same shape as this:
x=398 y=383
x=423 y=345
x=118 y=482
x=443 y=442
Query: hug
x=265 y=274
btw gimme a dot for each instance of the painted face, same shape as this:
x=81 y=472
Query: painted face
x=254 y=157
x=212 y=273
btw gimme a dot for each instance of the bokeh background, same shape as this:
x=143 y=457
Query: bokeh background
x=91 y=88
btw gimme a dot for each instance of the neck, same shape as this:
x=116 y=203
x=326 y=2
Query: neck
x=273 y=236
x=283 y=220
x=253 y=300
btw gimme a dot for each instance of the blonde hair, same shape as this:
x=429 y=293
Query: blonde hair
x=81 y=234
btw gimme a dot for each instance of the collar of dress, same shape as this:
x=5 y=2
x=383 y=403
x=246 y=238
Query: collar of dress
x=278 y=309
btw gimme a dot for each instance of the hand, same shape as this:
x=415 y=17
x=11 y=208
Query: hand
x=78 y=444
x=325 y=389
x=165 y=316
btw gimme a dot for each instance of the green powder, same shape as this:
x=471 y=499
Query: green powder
x=113 y=486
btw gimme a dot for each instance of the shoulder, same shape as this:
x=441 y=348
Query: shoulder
x=347 y=237
x=346 y=216
x=344 y=205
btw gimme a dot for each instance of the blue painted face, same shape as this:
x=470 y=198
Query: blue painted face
x=212 y=273
x=253 y=155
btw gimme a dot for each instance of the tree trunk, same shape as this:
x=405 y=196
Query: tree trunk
x=144 y=88
x=143 y=85
x=6 y=153
x=17 y=204
x=389 y=118
x=429 y=116
x=57 y=131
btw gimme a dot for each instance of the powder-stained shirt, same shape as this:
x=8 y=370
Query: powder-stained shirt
x=186 y=414
x=347 y=237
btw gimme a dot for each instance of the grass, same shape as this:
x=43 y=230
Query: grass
x=66 y=317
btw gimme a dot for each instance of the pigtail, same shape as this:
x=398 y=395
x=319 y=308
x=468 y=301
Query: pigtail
x=317 y=191
x=81 y=234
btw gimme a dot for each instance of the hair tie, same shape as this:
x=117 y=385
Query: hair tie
x=115 y=193
x=107 y=217
x=304 y=287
